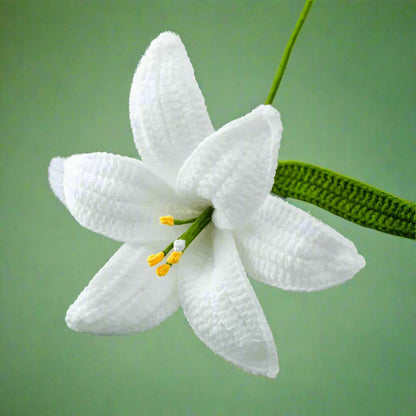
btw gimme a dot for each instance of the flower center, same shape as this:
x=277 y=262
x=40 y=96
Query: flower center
x=182 y=243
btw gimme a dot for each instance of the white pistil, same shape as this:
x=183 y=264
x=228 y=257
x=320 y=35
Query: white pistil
x=179 y=245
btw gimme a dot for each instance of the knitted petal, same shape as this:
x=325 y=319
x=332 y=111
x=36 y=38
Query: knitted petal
x=288 y=248
x=56 y=177
x=118 y=197
x=221 y=306
x=234 y=167
x=167 y=110
x=125 y=296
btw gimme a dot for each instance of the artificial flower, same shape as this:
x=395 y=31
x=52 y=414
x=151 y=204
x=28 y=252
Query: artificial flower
x=186 y=168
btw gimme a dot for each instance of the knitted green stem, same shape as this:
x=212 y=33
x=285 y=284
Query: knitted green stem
x=348 y=198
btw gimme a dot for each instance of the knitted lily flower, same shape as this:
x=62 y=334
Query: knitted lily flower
x=191 y=174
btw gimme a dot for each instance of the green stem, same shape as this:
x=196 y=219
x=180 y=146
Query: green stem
x=168 y=248
x=198 y=225
x=346 y=197
x=180 y=222
x=286 y=54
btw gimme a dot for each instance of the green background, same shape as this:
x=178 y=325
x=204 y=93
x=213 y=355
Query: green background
x=347 y=103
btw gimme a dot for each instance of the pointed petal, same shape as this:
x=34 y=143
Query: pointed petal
x=56 y=177
x=120 y=198
x=234 y=167
x=125 y=296
x=167 y=110
x=286 y=247
x=221 y=306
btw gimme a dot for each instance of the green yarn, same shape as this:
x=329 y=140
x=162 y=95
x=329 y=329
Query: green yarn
x=198 y=224
x=288 y=50
x=350 y=199
x=346 y=197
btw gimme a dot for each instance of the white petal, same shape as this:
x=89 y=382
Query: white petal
x=234 y=167
x=56 y=177
x=167 y=110
x=120 y=198
x=221 y=306
x=125 y=296
x=286 y=247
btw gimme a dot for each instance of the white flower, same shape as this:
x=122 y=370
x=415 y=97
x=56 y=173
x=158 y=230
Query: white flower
x=187 y=167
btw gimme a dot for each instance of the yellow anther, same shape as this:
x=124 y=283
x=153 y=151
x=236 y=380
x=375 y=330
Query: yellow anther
x=174 y=257
x=154 y=259
x=167 y=220
x=162 y=270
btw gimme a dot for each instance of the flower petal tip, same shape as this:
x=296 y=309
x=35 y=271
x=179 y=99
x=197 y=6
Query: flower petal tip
x=347 y=262
x=56 y=177
x=267 y=109
x=273 y=117
x=72 y=319
x=77 y=320
x=273 y=372
x=166 y=40
x=167 y=35
x=355 y=262
x=269 y=367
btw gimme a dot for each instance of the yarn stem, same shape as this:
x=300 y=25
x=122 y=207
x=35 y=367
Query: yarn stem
x=288 y=50
x=348 y=198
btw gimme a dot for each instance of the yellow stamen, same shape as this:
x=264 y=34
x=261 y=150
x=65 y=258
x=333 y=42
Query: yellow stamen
x=154 y=259
x=167 y=220
x=174 y=257
x=162 y=270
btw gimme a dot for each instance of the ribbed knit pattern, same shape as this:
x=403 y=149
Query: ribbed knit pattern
x=221 y=306
x=232 y=170
x=346 y=197
x=125 y=296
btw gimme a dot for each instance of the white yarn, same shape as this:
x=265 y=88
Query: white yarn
x=231 y=169
x=179 y=245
